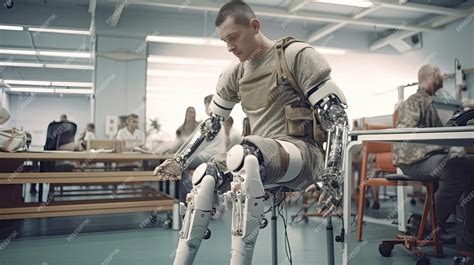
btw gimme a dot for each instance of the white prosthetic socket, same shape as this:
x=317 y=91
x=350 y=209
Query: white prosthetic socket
x=196 y=219
x=247 y=196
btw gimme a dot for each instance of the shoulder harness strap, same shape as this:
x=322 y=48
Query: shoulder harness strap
x=281 y=64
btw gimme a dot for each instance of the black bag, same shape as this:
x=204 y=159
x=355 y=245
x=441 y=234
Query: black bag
x=461 y=118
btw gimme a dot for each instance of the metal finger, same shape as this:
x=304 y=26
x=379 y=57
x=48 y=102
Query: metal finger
x=322 y=197
x=329 y=212
x=310 y=188
x=328 y=201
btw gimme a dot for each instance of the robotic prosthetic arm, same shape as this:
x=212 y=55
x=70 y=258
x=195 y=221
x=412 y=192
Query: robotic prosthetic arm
x=172 y=168
x=329 y=102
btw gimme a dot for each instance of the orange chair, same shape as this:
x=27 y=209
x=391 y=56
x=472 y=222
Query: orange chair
x=383 y=163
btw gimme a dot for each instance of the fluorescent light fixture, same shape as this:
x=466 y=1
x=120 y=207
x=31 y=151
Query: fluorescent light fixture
x=21 y=64
x=331 y=51
x=31 y=89
x=72 y=84
x=186 y=40
x=69 y=66
x=65 y=54
x=186 y=60
x=47 y=53
x=63 y=31
x=18 y=52
x=48 y=65
x=28 y=82
x=356 y=3
x=48 y=83
x=51 y=90
x=181 y=74
x=73 y=91
x=6 y=27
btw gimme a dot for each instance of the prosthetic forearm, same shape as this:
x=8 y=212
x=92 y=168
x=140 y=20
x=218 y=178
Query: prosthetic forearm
x=208 y=130
x=330 y=105
x=171 y=169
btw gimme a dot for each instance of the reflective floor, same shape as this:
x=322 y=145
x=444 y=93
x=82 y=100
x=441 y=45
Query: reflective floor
x=126 y=239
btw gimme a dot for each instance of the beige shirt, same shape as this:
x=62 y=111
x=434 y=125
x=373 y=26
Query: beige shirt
x=265 y=98
x=137 y=138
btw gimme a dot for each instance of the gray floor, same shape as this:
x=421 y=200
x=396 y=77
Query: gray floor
x=129 y=239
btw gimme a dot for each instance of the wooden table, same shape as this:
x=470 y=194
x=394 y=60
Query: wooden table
x=13 y=176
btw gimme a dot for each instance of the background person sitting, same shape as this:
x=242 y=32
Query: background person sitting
x=448 y=164
x=87 y=135
x=132 y=136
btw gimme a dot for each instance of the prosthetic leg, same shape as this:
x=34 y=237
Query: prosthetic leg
x=197 y=216
x=247 y=196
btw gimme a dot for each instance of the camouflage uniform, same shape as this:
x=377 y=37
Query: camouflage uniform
x=448 y=164
x=417 y=111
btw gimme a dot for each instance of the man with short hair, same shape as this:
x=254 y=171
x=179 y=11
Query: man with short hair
x=131 y=134
x=281 y=150
x=447 y=163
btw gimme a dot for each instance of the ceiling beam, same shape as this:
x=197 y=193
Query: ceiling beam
x=296 y=5
x=115 y=18
x=439 y=21
x=92 y=6
x=283 y=14
x=328 y=29
x=432 y=9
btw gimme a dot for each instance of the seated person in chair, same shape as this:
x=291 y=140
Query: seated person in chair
x=87 y=135
x=448 y=164
x=131 y=134
x=278 y=85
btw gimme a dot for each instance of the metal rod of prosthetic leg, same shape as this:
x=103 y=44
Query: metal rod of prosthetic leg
x=274 y=232
x=330 y=241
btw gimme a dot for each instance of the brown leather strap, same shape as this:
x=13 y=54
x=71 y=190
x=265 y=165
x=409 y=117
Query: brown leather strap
x=282 y=66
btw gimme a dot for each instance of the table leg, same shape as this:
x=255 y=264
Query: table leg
x=346 y=246
x=401 y=199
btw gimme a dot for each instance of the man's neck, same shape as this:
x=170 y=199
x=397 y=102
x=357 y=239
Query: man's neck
x=131 y=130
x=427 y=89
x=264 y=45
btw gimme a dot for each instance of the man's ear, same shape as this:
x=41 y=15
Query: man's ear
x=255 y=25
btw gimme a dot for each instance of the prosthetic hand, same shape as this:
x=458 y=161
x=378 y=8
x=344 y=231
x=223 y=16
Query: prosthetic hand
x=172 y=168
x=329 y=102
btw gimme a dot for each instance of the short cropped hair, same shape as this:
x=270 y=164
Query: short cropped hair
x=132 y=116
x=238 y=10
x=426 y=71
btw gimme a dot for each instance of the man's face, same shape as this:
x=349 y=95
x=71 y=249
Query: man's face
x=437 y=80
x=240 y=39
x=132 y=123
